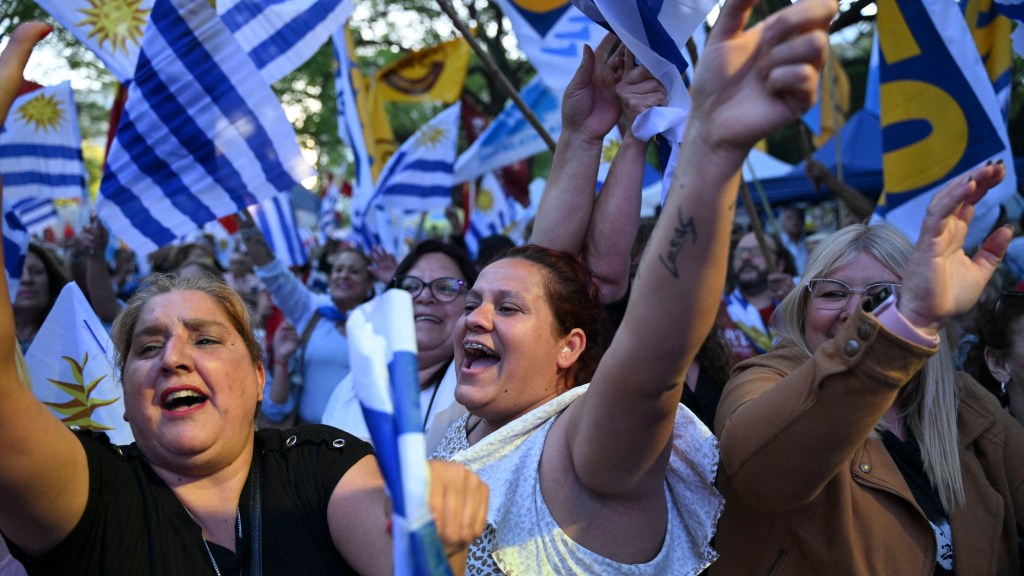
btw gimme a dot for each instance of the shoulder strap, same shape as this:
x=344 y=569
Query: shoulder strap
x=308 y=330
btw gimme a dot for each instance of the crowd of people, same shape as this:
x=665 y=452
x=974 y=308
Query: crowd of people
x=618 y=396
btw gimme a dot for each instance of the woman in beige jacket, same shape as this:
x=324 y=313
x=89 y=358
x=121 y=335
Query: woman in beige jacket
x=854 y=447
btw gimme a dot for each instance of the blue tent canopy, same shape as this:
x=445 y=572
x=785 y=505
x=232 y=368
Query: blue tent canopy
x=860 y=145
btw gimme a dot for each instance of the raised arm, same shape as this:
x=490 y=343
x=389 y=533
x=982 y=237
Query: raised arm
x=44 y=477
x=101 y=292
x=612 y=230
x=589 y=110
x=750 y=82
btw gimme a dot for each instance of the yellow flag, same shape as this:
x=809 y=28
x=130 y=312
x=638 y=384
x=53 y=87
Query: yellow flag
x=377 y=133
x=433 y=74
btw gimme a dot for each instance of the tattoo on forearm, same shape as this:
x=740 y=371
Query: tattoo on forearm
x=686 y=230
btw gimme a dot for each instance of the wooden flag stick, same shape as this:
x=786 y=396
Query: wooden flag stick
x=492 y=70
x=755 y=225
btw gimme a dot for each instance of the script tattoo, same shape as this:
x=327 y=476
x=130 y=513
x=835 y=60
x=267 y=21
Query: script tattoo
x=685 y=230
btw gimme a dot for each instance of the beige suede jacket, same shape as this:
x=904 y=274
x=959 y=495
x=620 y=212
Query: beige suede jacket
x=809 y=491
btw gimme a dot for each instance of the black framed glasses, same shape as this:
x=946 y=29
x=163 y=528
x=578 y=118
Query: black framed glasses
x=830 y=294
x=444 y=289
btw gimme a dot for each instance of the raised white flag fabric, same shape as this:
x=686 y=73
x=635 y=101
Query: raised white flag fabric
x=932 y=75
x=71 y=363
x=383 y=356
x=202 y=134
x=510 y=138
x=327 y=219
x=41 y=146
x=418 y=177
x=112 y=30
x=276 y=220
x=281 y=35
x=15 y=248
x=552 y=35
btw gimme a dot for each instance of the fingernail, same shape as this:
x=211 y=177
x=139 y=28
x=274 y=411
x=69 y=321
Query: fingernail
x=46 y=32
x=970 y=179
x=989 y=163
x=999 y=162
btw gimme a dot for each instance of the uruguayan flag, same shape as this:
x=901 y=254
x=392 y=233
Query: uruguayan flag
x=202 y=135
x=492 y=212
x=15 y=247
x=350 y=125
x=36 y=214
x=71 y=362
x=112 y=29
x=382 y=353
x=552 y=35
x=327 y=220
x=280 y=36
x=416 y=178
x=656 y=32
x=276 y=221
x=41 y=146
x=940 y=117
x=991 y=33
x=510 y=138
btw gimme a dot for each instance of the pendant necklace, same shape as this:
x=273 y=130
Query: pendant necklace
x=213 y=561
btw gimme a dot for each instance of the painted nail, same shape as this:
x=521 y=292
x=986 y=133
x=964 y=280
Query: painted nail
x=1000 y=161
x=989 y=163
x=46 y=32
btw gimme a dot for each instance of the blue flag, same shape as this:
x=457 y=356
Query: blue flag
x=15 y=248
x=276 y=220
x=383 y=356
x=202 y=135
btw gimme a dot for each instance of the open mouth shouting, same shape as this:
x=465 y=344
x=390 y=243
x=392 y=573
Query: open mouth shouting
x=182 y=400
x=478 y=357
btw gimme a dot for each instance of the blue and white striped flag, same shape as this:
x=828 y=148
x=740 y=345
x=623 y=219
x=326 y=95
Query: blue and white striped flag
x=113 y=30
x=327 y=220
x=36 y=214
x=383 y=356
x=350 y=125
x=552 y=35
x=510 y=138
x=202 y=135
x=41 y=146
x=493 y=212
x=656 y=32
x=71 y=362
x=416 y=178
x=276 y=221
x=281 y=35
x=15 y=248
x=940 y=116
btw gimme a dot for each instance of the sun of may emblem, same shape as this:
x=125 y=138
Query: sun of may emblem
x=484 y=200
x=115 y=21
x=43 y=112
x=431 y=136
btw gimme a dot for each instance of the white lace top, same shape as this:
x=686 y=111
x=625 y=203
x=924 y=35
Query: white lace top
x=523 y=539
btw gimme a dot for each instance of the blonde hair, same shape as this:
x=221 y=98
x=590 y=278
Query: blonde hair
x=929 y=401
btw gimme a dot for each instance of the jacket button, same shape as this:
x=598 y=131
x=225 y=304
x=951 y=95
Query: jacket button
x=865 y=467
x=338 y=443
x=864 y=331
x=851 y=348
x=290 y=441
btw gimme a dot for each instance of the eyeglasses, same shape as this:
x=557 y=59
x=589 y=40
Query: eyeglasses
x=747 y=251
x=443 y=289
x=829 y=294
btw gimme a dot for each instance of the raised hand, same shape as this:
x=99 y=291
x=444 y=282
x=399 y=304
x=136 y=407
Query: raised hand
x=751 y=82
x=382 y=264
x=590 y=105
x=638 y=90
x=941 y=281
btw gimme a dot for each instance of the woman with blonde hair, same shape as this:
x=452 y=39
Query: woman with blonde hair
x=853 y=446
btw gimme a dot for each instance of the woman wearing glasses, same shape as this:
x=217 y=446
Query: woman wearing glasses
x=438 y=276
x=854 y=447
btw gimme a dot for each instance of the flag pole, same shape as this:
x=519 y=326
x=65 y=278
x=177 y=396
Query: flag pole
x=755 y=225
x=495 y=73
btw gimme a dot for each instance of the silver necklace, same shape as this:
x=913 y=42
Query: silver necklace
x=238 y=523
